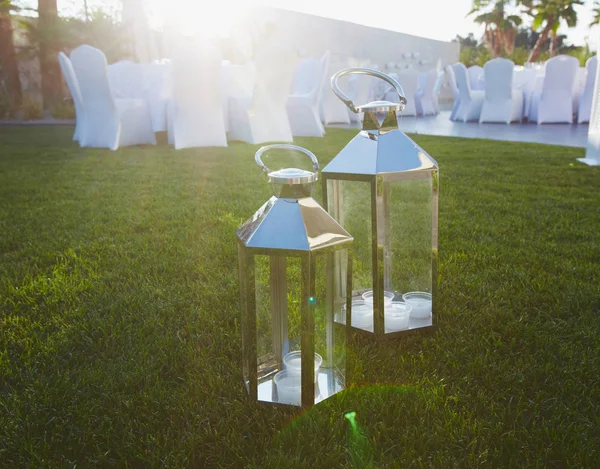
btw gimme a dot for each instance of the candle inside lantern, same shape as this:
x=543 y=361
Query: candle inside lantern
x=289 y=387
x=388 y=297
x=420 y=302
x=396 y=316
x=293 y=363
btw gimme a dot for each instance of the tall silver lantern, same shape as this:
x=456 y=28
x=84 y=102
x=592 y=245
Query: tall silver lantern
x=293 y=351
x=383 y=188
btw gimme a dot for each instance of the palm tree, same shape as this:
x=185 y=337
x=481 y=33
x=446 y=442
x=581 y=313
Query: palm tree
x=596 y=11
x=9 y=70
x=548 y=14
x=500 y=29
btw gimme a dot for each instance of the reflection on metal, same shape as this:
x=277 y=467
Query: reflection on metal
x=377 y=106
x=298 y=241
x=402 y=207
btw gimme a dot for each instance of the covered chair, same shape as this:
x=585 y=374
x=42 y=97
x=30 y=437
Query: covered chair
x=424 y=100
x=454 y=88
x=587 y=95
x=107 y=122
x=303 y=102
x=476 y=77
x=333 y=111
x=263 y=116
x=470 y=101
x=69 y=76
x=554 y=102
x=437 y=88
x=195 y=112
x=409 y=80
x=501 y=103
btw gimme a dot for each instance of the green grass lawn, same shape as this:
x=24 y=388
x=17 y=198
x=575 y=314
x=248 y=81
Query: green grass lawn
x=119 y=323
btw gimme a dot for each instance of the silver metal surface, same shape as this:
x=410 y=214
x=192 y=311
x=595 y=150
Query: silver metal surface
x=377 y=105
x=374 y=153
x=296 y=234
x=293 y=226
x=291 y=176
x=381 y=155
x=279 y=308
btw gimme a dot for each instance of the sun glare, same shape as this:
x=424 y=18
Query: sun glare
x=194 y=17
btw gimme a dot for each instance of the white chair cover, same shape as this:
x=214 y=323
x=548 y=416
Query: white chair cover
x=359 y=88
x=578 y=86
x=437 y=88
x=585 y=100
x=237 y=81
x=554 y=102
x=107 y=122
x=501 y=103
x=476 y=77
x=303 y=102
x=454 y=88
x=263 y=117
x=332 y=109
x=69 y=75
x=126 y=80
x=424 y=96
x=470 y=101
x=158 y=87
x=409 y=81
x=195 y=111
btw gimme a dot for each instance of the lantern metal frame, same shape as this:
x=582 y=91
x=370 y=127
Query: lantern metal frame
x=323 y=237
x=389 y=143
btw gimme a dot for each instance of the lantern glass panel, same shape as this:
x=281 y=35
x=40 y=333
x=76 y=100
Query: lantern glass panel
x=281 y=300
x=350 y=203
x=406 y=231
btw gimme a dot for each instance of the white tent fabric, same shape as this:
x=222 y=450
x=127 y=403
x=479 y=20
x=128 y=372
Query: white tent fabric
x=195 y=113
x=303 y=103
x=409 y=80
x=585 y=100
x=69 y=75
x=107 y=122
x=470 y=101
x=554 y=102
x=454 y=88
x=135 y=21
x=424 y=96
x=333 y=111
x=501 y=103
x=263 y=117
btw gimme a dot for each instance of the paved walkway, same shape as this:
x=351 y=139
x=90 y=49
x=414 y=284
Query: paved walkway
x=554 y=134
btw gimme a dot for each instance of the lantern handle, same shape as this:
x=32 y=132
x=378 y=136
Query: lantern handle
x=284 y=146
x=363 y=71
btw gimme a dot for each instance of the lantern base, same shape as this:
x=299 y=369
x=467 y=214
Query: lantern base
x=329 y=382
x=365 y=324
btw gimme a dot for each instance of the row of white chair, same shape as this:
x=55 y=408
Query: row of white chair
x=502 y=102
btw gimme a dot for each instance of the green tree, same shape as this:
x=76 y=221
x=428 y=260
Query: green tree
x=547 y=15
x=49 y=46
x=596 y=11
x=500 y=28
x=10 y=84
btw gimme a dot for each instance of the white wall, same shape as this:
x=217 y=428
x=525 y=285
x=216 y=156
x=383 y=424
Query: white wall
x=313 y=35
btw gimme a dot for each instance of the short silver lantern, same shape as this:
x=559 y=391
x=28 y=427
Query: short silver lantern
x=383 y=188
x=293 y=351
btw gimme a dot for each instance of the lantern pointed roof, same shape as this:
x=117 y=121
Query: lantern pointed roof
x=292 y=225
x=374 y=152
